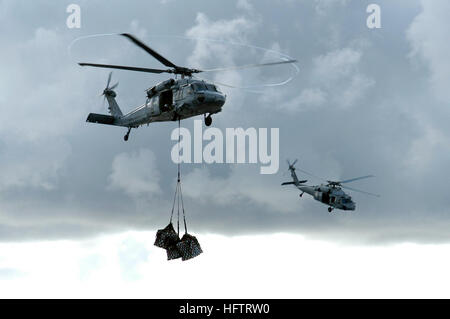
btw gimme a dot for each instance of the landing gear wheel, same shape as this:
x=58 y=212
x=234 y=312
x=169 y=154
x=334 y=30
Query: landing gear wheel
x=208 y=120
x=125 y=138
x=330 y=209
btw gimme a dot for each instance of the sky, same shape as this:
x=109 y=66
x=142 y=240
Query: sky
x=365 y=101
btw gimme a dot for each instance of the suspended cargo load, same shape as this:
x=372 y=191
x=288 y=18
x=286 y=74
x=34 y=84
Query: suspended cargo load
x=189 y=247
x=167 y=237
x=173 y=253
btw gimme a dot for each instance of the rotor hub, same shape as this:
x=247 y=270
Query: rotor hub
x=109 y=92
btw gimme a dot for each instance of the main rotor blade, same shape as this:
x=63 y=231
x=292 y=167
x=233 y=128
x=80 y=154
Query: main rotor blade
x=109 y=79
x=150 y=51
x=114 y=86
x=249 y=66
x=360 y=191
x=121 y=67
x=355 y=179
x=310 y=174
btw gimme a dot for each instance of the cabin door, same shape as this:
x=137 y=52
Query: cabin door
x=166 y=101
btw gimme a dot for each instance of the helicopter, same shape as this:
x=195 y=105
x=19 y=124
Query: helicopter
x=331 y=193
x=170 y=100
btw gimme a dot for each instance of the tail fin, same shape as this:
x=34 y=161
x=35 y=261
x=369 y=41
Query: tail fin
x=113 y=107
x=295 y=181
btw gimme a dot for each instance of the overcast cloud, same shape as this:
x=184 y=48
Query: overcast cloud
x=365 y=102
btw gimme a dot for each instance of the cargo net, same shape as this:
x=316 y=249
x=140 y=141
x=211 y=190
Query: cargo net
x=188 y=246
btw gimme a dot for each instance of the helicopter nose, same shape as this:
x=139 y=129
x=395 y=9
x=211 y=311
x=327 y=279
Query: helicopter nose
x=220 y=100
x=212 y=98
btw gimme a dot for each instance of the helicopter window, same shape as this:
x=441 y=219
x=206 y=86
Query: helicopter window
x=187 y=90
x=211 y=87
x=199 y=87
x=155 y=101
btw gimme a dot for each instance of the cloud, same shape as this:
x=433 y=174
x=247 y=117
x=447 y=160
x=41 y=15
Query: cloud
x=426 y=148
x=135 y=173
x=242 y=185
x=337 y=72
x=313 y=97
x=336 y=64
x=334 y=81
x=358 y=106
x=233 y=30
x=309 y=98
x=324 y=6
x=217 y=45
x=356 y=90
x=36 y=114
x=132 y=253
x=245 y=5
x=10 y=273
x=54 y=269
x=429 y=40
x=36 y=166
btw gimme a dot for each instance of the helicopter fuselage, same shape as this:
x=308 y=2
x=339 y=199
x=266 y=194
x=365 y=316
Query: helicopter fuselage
x=175 y=99
x=170 y=100
x=329 y=195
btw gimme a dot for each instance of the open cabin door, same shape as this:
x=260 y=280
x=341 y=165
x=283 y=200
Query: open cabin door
x=165 y=100
x=325 y=198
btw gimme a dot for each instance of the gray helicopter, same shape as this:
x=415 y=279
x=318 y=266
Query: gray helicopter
x=170 y=100
x=331 y=193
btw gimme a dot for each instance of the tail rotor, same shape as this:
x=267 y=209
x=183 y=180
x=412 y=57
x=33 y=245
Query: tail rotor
x=109 y=91
x=293 y=175
x=292 y=166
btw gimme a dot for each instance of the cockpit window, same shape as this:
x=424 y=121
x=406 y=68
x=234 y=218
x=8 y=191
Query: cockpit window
x=211 y=87
x=199 y=87
x=187 y=90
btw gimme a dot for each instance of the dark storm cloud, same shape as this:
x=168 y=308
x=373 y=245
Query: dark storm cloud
x=366 y=101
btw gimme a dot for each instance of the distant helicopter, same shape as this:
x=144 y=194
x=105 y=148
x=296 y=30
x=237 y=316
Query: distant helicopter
x=170 y=100
x=331 y=194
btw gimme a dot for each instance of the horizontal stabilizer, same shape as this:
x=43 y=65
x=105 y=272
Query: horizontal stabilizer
x=101 y=119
